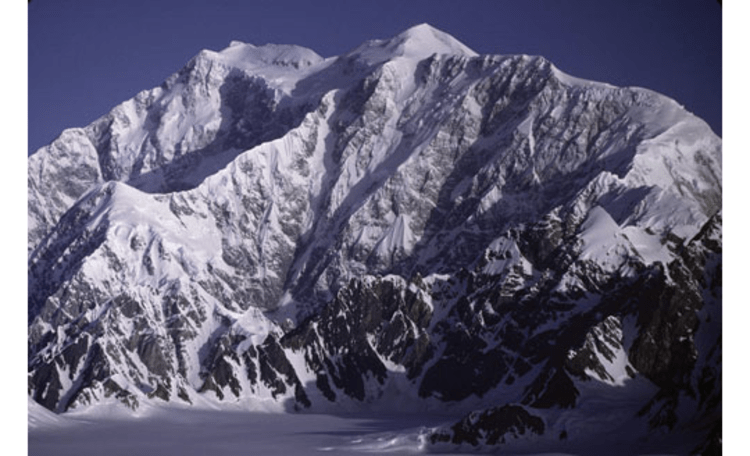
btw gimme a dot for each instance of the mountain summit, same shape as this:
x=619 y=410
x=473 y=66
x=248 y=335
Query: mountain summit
x=407 y=226
x=418 y=42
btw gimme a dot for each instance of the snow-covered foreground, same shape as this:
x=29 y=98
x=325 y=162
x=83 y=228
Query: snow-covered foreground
x=191 y=431
x=201 y=432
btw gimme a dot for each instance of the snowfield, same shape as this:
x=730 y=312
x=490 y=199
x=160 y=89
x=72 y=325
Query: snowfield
x=194 y=432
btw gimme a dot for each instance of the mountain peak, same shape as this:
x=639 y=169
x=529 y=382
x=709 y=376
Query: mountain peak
x=418 y=42
x=424 y=37
x=425 y=30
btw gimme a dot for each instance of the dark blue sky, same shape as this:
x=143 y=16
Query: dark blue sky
x=86 y=56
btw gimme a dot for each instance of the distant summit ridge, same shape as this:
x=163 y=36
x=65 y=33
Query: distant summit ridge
x=409 y=226
x=273 y=54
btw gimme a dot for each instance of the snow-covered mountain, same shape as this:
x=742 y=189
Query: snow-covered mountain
x=409 y=224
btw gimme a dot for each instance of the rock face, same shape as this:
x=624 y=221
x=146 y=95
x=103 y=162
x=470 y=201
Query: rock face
x=492 y=427
x=409 y=220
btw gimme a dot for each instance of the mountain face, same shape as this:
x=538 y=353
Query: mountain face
x=409 y=224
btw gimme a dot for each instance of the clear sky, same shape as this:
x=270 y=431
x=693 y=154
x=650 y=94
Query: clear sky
x=86 y=56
